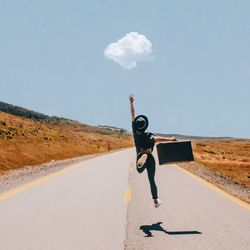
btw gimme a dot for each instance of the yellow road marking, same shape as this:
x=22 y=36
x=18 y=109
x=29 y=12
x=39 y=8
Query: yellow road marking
x=217 y=189
x=44 y=179
x=128 y=195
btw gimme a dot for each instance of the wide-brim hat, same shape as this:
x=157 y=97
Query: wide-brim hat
x=141 y=123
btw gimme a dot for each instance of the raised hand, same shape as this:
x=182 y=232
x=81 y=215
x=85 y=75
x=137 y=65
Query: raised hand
x=131 y=98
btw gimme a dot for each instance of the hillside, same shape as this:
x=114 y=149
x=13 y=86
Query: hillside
x=27 y=113
x=229 y=158
x=32 y=138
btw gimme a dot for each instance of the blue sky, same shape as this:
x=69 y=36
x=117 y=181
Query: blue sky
x=52 y=61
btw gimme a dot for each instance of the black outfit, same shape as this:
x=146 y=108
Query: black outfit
x=143 y=141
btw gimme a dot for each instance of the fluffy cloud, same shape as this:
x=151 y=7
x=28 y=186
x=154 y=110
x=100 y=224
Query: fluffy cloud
x=129 y=50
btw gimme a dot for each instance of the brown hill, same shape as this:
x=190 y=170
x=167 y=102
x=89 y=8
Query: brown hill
x=229 y=158
x=30 y=142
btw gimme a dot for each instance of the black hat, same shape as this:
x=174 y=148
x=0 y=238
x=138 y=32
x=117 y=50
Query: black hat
x=141 y=123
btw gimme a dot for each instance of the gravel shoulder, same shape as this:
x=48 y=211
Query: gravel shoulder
x=219 y=180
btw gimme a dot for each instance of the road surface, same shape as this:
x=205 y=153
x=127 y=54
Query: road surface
x=103 y=203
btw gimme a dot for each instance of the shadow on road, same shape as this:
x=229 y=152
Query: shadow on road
x=157 y=227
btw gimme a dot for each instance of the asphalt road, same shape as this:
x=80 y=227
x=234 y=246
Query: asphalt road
x=192 y=215
x=83 y=208
x=104 y=203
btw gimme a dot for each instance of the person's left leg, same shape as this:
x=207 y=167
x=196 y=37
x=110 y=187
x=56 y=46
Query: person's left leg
x=150 y=164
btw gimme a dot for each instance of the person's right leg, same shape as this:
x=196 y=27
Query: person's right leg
x=141 y=162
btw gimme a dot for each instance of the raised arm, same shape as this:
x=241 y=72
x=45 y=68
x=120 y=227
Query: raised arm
x=132 y=110
x=159 y=139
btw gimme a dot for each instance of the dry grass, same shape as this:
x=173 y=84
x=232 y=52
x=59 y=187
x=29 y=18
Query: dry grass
x=25 y=142
x=229 y=158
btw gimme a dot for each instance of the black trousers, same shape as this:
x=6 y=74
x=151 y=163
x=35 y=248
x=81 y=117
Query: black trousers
x=150 y=166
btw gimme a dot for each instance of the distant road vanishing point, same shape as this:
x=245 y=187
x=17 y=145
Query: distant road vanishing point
x=103 y=203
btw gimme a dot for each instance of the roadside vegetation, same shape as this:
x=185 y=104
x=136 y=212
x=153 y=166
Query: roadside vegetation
x=29 y=142
x=225 y=163
x=227 y=157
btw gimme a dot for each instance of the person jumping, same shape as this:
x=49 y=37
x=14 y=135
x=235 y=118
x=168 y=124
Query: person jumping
x=144 y=143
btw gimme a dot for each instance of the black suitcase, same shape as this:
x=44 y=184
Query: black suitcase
x=179 y=151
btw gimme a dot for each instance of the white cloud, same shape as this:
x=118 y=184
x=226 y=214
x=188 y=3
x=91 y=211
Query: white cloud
x=129 y=50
